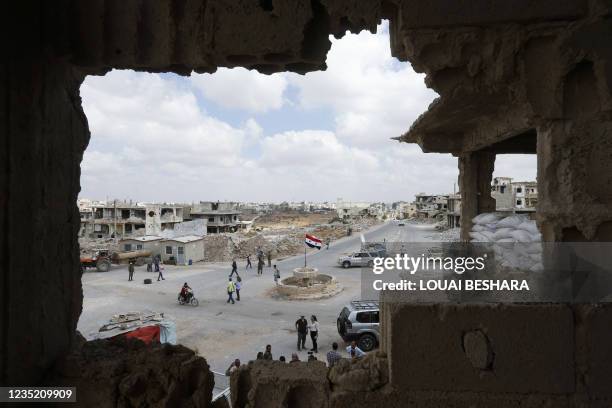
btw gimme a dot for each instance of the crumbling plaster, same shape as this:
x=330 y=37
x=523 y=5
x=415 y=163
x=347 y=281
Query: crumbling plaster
x=501 y=68
x=52 y=46
x=502 y=75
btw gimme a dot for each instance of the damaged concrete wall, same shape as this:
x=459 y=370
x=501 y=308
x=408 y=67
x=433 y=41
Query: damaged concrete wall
x=128 y=373
x=44 y=135
x=502 y=69
x=51 y=47
x=475 y=175
x=503 y=74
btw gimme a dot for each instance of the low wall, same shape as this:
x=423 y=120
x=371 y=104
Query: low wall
x=481 y=355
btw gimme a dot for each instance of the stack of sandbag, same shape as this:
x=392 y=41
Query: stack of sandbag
x=517 y=239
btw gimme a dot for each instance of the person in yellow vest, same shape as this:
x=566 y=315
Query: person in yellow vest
x=231 y=288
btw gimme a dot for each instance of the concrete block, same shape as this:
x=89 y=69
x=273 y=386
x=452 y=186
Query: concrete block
x=491 y=348
x=264 y=383
x=594 y=350
x=395 y=398
x=441 y=13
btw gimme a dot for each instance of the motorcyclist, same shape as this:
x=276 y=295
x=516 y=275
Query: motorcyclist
x=186 y=292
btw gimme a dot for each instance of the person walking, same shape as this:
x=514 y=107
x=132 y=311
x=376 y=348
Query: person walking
x=231 y=288
x=131 y=271
x=301 y=326
x=234 y=268
x=327 y=241
x=269 y=258
x=160 y=275
x=238 y=287
x=156 y=263
x=276 y=275
x=333 y=356
x=314 y=332
x=249 y=265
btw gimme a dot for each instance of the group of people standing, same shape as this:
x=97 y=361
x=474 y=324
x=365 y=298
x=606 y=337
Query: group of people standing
x=260 y=260
x=152 y=261
x=303 y=327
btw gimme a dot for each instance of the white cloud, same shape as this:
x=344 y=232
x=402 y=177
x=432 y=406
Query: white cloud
x=373 y=96
x=239 y=88
x=152 y=138
x=521 y=167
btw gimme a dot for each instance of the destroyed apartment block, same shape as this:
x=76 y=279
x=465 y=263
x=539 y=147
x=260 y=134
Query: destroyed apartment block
x=453 y=210
x=219 y=216
x=127 y=219
x=347 y=210
x=431 y=205
x=516 y=197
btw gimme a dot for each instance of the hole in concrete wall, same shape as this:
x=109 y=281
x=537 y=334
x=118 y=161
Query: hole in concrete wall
x=160 y=142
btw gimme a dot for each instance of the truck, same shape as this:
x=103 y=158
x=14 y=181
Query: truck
x=102 y=259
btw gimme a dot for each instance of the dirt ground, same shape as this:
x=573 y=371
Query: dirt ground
x=292 y=219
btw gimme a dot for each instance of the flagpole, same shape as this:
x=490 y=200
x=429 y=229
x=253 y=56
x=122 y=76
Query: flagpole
x=304 y=256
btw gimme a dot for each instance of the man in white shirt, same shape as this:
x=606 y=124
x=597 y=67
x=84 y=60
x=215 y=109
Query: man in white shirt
x=354 y=351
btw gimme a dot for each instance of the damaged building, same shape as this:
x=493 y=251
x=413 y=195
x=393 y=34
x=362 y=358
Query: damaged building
x=514 y=196
x=453 y=210
x=431 y=205
x=127 y=219
x=512 y=77
x=219 y=216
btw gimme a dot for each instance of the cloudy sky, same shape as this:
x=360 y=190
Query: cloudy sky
x=240 y=135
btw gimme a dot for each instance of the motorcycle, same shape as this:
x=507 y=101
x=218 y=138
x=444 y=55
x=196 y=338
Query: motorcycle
x=189 y=299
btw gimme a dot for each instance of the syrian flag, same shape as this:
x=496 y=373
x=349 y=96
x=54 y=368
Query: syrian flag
x=313 y=241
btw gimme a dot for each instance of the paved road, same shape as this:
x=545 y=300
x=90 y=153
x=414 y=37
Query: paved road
x=220 y=331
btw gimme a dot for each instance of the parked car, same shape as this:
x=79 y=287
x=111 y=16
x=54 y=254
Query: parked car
x=360 y=258
x=359 y=321
x=401 y=224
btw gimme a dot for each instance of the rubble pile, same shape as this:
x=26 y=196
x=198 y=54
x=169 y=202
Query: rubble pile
x=289 y=246
x=129 y=373
x=355 y=375
x=249 y=247
x=218 y=248
x=90 y=245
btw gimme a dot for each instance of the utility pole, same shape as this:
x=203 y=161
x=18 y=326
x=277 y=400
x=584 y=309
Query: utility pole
x=115 y=219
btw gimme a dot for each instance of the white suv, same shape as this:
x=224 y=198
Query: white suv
x=361 y=258
x=359 y=321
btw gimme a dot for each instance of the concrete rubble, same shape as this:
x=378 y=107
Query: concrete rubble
x=358 y=375
x=128 y=373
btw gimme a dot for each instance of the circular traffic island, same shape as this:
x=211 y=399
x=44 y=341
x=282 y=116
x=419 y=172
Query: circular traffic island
x=307 y=284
